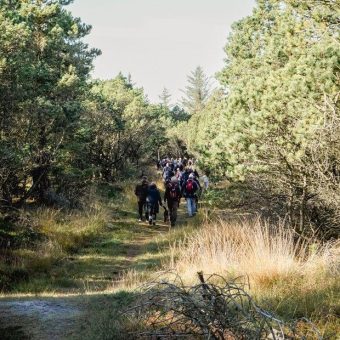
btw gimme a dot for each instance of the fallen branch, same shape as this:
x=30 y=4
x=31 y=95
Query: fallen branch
x=213 y=309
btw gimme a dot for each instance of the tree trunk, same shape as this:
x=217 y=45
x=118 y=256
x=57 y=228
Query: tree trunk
x=303 y=206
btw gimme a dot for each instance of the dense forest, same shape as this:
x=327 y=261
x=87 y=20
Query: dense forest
x=268 y=136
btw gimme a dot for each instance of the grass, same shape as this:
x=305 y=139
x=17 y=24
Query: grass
x=94 y=249
x=103 y=253
x=294 y=279
x=61 y=233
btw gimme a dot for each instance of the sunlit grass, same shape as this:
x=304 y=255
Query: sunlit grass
x=295 y=279
x=103 y=250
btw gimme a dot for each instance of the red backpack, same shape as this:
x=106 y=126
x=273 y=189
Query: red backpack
x=189 y=187
x=174 y=195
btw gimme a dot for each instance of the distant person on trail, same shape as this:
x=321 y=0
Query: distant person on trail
x=195 y=172
x=163 y=162
x=172 y=196
x=141 y=192
x=184 y=177
x=178 y=174
x=153 y=200
x=205 y=182
x=167 y=174
x=189 y=191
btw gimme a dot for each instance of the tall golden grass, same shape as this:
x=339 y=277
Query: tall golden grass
x=72 y=229
x=63 y=232
x=252 y=248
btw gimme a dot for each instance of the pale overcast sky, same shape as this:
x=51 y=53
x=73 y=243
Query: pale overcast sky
x=159 y=41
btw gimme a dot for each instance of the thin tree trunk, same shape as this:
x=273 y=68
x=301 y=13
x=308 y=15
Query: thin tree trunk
x=303 y=206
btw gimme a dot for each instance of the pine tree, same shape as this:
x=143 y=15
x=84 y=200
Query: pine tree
x=47 y=69
x=281 y=118
x=197 y=91
x=165 y=98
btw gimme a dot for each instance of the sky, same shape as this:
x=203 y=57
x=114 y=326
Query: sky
x=159 y=42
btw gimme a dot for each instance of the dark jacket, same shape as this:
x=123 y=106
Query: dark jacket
x=172 y=187
x=184 y=178
x=154 y=198
x=191 y=194
x=167 y=173
x=141 y=191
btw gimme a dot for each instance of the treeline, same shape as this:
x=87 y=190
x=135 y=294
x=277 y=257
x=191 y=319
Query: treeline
x=273 y=127
x=59 y=130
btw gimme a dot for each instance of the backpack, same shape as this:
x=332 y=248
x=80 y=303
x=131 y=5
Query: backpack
x=173 y=193
x=189 y=187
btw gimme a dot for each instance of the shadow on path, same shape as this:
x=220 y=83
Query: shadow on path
x=86 y=274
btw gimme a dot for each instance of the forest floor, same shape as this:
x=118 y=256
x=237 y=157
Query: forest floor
x=90 y=280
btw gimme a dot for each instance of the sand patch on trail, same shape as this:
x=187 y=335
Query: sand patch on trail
x=39 y=318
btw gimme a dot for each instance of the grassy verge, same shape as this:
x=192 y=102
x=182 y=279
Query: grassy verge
x=28 y=264
x=96 y=249
x=293 y=279
x=104 y=254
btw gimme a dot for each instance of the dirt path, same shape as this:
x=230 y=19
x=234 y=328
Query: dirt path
x=102 y=264
x=39 y=318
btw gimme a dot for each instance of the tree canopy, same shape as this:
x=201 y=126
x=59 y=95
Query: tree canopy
x=280 y=119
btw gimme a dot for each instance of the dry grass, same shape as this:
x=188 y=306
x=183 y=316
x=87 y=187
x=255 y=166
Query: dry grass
x=69 y=231
x=57 y=234
x=254 y=249
x=290 y=277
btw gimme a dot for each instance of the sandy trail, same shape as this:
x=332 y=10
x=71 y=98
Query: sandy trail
x=51 y=318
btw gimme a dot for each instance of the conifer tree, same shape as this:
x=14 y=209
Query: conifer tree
x=47 y=70
x=196 y=93
x=165 y=98
x=281 y=118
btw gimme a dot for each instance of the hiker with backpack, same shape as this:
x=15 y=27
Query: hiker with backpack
x=167 y=174
x=153 y=200
x=172 y=196
x=184 y=177
x=141 y=192
x=189 y=191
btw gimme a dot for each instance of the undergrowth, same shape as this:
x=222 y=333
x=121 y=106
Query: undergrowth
x=54 y=235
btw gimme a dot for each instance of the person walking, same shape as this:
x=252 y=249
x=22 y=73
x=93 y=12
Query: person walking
x=153 y=200
x=184 y=177
x=141 y=192
x=205 y=182
x=190 y=189
x=167 y=174
x=172 y=196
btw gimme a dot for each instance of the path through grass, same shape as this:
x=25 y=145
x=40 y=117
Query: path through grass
x=58 y=304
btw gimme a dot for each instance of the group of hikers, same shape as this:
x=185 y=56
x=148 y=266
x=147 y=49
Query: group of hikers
x=181 y=179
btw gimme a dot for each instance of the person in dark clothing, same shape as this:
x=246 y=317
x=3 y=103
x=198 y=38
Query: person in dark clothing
x=172 y=196
x=184 y=178
x=141 y=192
x=167 y=174
x=195 y=172
x=153 y=200
x=189 y=191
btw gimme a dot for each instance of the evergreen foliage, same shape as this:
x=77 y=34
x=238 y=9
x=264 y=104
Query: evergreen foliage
x=196 y=92
x=279 y=124
x=58 y=130
x=165 y=98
